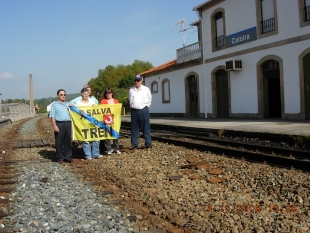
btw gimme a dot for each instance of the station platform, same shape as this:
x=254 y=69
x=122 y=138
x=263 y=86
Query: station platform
x=269 y=126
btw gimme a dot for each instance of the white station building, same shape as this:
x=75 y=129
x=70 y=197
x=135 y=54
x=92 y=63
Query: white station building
x=252 y=61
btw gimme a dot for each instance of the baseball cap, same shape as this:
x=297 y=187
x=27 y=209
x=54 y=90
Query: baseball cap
x=138 y=78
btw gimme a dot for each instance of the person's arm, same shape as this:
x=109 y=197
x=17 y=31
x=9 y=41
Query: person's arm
x=94 y=99
x=52 y=116
x=93 y=102
x=56 y=129
x=73 y=102
x=149 y=95
x=130 y=98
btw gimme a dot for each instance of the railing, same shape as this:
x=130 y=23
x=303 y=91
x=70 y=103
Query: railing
x=268 y=25
x=189 y=52
x=307 y=13
x=219 y=41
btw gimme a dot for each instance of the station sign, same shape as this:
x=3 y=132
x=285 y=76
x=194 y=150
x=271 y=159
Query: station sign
x=241 y=37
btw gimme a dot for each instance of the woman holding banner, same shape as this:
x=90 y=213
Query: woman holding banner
x=108 y=98
x=91 y=151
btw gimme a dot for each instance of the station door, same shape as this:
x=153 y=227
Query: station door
x=306 y=64
x=272 y=90
x=222 y=94
x=193 y=95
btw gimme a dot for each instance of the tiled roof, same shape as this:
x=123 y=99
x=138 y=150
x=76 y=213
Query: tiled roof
x=161 y=67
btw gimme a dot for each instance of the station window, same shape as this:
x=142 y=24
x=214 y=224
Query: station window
x=166 y=91
x=307 y=10
x=219 y=41
x=154 y=87
x=267 y=22
x=304 y=12
x=218 y=29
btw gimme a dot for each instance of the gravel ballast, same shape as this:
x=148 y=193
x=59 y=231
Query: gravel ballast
x=218 y=195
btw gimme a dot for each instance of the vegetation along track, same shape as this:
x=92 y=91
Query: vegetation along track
x=272 y=154
x=176 y=188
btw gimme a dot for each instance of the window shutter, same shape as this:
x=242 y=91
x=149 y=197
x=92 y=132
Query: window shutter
x=267 y=9
x=219 y=27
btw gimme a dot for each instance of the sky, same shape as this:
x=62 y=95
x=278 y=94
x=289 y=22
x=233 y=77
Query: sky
x=63 y=43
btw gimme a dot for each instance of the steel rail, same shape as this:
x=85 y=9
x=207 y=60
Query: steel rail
x=286 y=162
x=254 y=153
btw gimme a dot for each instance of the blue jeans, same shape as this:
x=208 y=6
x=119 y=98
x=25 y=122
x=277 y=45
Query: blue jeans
x=91 y=151
x=140 y=119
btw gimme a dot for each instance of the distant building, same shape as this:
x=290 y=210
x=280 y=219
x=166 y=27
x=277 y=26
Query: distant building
x=14 y=109
x=250 y=62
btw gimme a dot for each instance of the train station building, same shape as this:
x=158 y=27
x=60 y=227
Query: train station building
x=251 y=61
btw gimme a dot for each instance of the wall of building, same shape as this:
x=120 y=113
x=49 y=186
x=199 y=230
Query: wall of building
x=241 y=18
x=290 y=41
x=245 y=93
x=177 y=90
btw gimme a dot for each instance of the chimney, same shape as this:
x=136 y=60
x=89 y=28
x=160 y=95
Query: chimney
x=31 y=95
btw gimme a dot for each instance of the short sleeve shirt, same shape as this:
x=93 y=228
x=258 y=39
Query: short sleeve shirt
x=60 y=111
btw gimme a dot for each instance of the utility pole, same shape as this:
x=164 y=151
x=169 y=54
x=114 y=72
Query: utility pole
x=31 y=103
x=0 y=105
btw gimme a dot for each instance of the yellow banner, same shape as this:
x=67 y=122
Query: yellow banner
x=97 y=122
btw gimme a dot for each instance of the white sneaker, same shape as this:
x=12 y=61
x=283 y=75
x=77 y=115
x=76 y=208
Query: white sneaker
x=88 y=158
x=100 y=156
x=109 y=152
x=117 y=152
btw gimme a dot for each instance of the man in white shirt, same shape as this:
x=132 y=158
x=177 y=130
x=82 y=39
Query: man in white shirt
x=140 y=99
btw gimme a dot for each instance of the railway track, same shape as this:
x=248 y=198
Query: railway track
x=281 y=157
x=178 y=189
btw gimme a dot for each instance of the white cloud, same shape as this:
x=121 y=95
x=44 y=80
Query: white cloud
x=6 y=75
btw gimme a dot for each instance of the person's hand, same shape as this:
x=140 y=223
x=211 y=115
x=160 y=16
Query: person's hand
x=56 y=129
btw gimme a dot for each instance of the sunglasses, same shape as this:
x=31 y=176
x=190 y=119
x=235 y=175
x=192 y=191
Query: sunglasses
x=108 y=93
x=62 y=94
x=137 y=80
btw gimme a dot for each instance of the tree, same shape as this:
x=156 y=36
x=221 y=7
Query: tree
x=120 y=78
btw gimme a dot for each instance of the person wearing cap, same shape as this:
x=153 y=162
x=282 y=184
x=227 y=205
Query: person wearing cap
x=61 y=120
x=74 y=101
x=140 y=99
x=91 y=149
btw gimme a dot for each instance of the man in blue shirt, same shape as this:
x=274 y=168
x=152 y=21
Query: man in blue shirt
x=61 y=121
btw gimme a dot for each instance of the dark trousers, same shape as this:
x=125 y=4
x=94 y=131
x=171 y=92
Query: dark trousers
x=107 y=144
x=140 y=119
x=63 y=141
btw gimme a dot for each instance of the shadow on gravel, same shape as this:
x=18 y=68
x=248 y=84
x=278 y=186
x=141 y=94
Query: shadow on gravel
x=48 y=154
x=77 y=153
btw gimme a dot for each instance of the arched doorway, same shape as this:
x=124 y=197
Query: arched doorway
x=192 y=85
x=306 y=71
x=222 y=97
x=272 y=89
